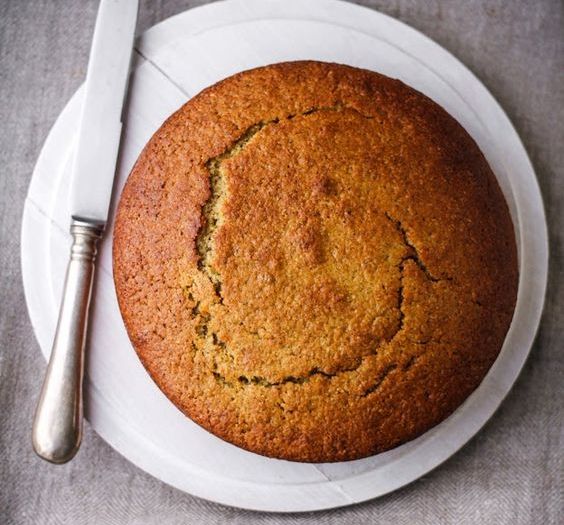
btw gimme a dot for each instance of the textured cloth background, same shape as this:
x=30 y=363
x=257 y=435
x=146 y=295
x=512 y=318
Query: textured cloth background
x=511 y=473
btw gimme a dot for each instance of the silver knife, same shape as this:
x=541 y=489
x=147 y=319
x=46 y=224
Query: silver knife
x=57 y=426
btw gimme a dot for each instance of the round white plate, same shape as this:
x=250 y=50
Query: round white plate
x=174 y=60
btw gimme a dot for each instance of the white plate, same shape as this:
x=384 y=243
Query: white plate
x=176 y=59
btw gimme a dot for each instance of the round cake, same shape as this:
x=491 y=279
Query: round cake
x=314 y=262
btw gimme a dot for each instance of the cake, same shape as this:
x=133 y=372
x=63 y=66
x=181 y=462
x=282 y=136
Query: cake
x=314 y=262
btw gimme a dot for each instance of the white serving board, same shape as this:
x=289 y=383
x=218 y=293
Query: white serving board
x=174 y=60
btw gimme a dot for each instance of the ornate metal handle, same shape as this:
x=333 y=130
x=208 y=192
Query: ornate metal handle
x=57 y=426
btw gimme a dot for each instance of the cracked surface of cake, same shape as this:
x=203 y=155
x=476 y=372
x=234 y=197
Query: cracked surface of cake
x=314 y=262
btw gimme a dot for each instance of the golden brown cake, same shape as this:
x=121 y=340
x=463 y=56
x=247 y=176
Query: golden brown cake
x=314 y=262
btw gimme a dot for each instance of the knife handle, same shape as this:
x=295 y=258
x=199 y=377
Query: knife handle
x=57 y=426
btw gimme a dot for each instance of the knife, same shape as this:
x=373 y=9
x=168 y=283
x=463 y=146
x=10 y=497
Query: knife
x=57 y=425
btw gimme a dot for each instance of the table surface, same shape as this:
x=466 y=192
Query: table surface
x=512 y=472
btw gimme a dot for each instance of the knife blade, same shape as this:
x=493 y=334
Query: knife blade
x=100 y=124
x=57 y=425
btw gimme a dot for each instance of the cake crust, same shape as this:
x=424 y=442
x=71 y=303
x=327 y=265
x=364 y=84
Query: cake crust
x=314 y=262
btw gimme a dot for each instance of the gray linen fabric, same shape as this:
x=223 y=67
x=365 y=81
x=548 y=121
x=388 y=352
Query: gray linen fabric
x=511 y=473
